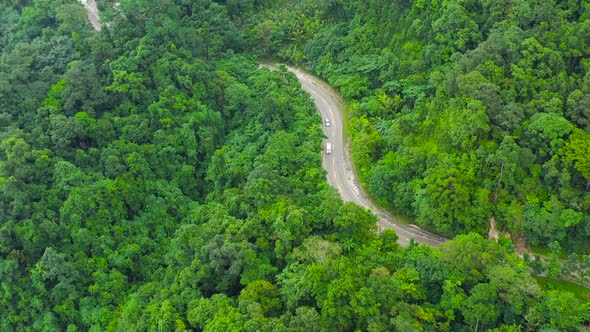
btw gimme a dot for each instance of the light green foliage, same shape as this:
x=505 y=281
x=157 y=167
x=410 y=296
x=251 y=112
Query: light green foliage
x=354 y=223
x=547 y=131
x=455 y=29
x=479 y=308
x=576 y=152
x=472 y=254
x=263 y=293
x=215 y=314
x=128 y=84
x=462 y=111
x=367 y=144
x=564 y=314
x=54 y=95
x=153 y=178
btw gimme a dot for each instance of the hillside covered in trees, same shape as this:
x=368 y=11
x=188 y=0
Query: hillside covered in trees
x=463 y=110
x=153 y=178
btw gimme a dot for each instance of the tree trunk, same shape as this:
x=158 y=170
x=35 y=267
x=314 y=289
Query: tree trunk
x=498 y=184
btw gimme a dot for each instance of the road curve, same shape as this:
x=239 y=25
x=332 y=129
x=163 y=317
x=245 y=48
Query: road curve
x=340 y=168
x=338 y=164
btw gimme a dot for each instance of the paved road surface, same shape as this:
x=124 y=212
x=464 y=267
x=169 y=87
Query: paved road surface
x=341 y=173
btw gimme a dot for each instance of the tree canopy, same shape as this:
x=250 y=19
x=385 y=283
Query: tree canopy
x=462 y=111
x=154 y=178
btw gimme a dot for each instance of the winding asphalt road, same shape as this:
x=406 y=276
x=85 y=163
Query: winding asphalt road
x=340 y=168
x=338 y=164
x=341 y=173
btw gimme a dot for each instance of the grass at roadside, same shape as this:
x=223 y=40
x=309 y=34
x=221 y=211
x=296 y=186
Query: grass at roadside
x=546 y=252
x=560 y=285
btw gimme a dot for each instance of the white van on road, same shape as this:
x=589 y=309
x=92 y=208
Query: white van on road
x=328 y=148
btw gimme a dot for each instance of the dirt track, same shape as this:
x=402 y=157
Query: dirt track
x=93 y=14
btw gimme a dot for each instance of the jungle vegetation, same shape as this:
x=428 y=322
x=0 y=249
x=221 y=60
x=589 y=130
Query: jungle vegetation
x=153 y=178
x=462 y=110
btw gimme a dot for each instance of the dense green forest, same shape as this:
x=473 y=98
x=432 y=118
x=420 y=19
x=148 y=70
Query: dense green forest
x=153 y=178
x=463 y=110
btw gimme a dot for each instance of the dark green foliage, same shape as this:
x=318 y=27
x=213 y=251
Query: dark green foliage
x=462 y=111
x=152 y=177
